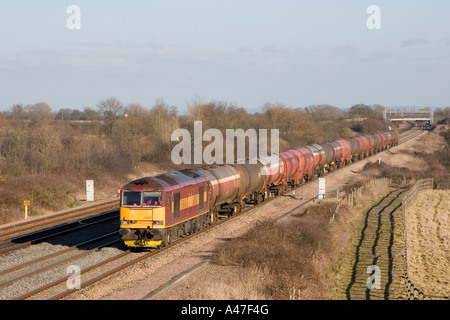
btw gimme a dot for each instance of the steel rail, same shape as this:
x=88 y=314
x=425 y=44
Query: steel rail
x=56 y=282
x=67 y=215
x=55 y=254
x=83 y=253
x=77 y=226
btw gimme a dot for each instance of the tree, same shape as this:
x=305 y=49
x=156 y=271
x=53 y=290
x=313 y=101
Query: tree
x=365 y=111
x=296 y=126
x=324 y=112
x=18 y=112
x=40 y=113
x=164 y=120
x=91 y=114
x=110 y=109
x=63 y=114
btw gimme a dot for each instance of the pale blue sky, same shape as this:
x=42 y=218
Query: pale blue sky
x=244 y=52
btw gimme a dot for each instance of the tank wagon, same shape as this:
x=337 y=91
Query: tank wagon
x=160 y=209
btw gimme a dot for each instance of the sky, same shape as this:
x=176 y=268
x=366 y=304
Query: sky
x=246 y=52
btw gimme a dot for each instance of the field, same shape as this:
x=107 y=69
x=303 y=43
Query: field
x=428 y=239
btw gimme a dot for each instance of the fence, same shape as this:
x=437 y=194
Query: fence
x=350 y=198
x=413 y=292
x=330 y=193
x=357 y=192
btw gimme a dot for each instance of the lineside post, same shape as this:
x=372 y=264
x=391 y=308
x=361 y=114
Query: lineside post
x=26 y=203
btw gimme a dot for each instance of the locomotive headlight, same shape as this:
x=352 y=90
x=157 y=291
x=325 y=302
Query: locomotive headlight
x=157 y=222
x=125 y=222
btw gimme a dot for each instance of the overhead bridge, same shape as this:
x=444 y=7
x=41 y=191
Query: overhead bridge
x=404 y=114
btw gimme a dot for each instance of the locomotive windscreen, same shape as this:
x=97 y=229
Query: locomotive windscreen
x=138 y=198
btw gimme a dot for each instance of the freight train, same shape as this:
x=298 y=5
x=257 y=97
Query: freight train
x=160 y=209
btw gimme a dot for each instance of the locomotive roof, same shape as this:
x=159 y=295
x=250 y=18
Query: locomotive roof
x=167 y=181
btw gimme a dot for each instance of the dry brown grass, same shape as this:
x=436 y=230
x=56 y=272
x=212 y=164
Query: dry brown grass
x=428 y=238
x=297 y=258
x=279 y=260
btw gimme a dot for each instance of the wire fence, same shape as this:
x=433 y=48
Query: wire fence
x=353 y=194
x=413 y=292
x=351 y=198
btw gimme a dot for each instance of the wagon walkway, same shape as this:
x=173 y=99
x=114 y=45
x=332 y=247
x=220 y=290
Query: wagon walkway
x=375 y=271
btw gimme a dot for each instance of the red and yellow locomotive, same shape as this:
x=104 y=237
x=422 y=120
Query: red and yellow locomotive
x=158 y=209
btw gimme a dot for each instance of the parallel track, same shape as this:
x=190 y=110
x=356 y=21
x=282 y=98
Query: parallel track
x=51 y=220
x=46 y=234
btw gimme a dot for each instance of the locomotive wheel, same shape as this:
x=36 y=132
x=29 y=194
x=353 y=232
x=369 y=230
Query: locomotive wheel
x=180 y=232
x=280 y=191
x=168 y=237
x=259 y=198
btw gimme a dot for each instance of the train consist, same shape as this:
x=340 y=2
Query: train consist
x=161 y=209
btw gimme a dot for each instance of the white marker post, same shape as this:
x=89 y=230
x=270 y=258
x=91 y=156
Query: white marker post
x=26 y=203
x=89 y=190
x=321 y=188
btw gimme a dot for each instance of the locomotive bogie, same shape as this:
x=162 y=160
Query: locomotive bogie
x=154 y=238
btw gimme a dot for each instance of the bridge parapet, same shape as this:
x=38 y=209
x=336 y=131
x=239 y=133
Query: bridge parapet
x=405 y=114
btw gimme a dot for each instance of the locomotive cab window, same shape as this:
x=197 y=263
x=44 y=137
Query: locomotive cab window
x=152 y=199
x=145 y=198
x=131 y=198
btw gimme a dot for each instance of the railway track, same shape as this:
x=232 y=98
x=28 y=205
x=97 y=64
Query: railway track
x=45 y=234
x=92 y=273
x=27 y=226
x=408 y=135
x=27 y=264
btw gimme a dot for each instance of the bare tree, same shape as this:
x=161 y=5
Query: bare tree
x=18 y=112
x=110 y=109
x=40 y=113
x=324 y=112
x=164 y=120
